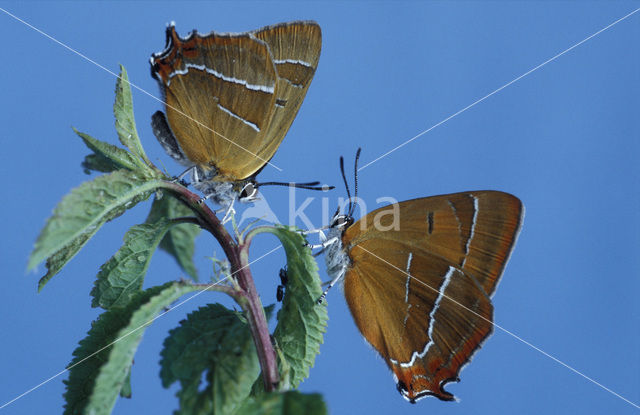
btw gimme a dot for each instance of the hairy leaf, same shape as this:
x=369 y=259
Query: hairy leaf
x=179 y=242
x=100 y=164
x=102 y=361
x=217 y=342
x=121 y=277
x=82 y=212
x=301 y=320
x=284 y=403
x=107 y=155
x=123 y=111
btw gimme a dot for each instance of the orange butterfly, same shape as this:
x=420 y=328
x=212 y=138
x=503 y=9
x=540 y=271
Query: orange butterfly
x=419 y=289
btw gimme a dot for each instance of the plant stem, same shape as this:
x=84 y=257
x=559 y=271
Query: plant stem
x=248 y=297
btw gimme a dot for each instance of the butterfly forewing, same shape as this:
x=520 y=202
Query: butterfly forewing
x=218 y=89
x=419 y=292
x=489 y=223
x=474 y=231
x=295 y=48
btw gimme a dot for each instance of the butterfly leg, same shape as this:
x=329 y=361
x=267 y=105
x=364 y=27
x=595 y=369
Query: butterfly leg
x=319 y=230
x=321 y=236
x=180 y=177
x=331 y=284
x=196 y=179
x=229 y=212
x=204 y=199
x=323 y=244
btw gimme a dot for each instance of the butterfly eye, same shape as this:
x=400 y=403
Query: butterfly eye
x=335 y=222
x=248 y=192
x=340 y=221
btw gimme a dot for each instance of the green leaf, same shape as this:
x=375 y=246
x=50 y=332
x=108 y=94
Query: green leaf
x=215 y=341
x=125 y=392
x=125 y=121
x=284 y=403
x=82 y=212
x=121 y=277
x=301 y=320
x=101 y=164
x=179 y=242
x=106 y=155
x=102 y=361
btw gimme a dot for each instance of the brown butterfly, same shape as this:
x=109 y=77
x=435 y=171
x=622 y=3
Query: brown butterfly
x=418 y=277
x=230 y=100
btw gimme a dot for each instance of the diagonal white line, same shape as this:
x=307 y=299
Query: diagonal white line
x=498 y=90
x=135 y=86
x=136 y=329
x=505 y=330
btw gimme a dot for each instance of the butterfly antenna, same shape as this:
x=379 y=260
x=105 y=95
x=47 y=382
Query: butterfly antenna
x=307 y=185
x=346 y=184
x=355 y=184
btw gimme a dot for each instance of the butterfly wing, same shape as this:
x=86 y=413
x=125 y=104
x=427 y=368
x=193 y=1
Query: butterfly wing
x=227 y=104
x=419 y=291
x=220 y=91
x=295 y=48
x=425 y=326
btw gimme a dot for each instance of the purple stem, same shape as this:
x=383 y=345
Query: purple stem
x=247 y=297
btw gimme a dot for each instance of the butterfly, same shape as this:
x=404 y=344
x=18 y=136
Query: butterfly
x=230 y=100
x=418 y=277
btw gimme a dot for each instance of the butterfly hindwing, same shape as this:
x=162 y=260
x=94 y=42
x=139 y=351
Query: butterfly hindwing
x=424 y=282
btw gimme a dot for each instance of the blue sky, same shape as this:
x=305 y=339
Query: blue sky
x=565 y=139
